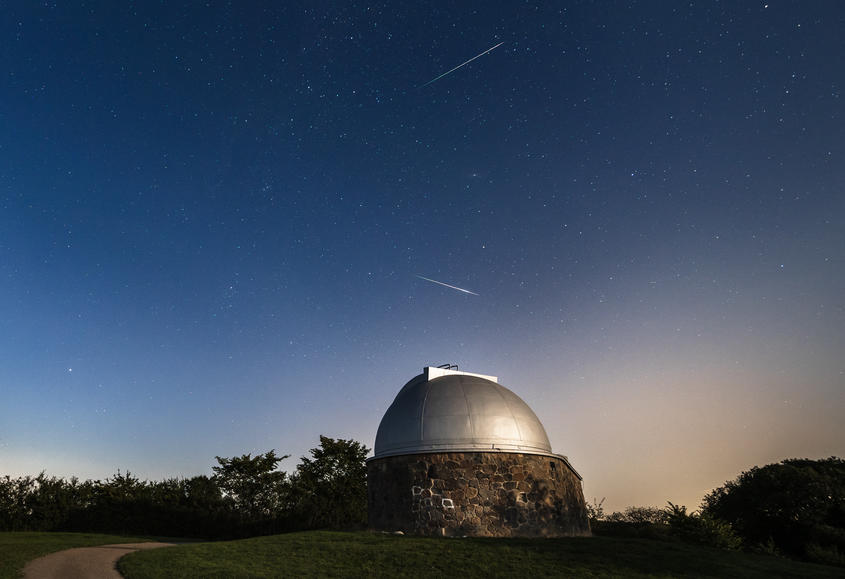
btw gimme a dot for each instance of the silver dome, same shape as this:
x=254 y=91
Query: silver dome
x=444 y=410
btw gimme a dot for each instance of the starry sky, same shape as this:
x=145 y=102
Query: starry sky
x=213 y=216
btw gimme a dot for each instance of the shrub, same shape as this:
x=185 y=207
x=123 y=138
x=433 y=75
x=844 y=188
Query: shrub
x=668 y=524
x=639 y=516
x=797 y=505
x=701 y=528
x=595 y=511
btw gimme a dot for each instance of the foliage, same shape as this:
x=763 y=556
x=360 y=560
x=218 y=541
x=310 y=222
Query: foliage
x=701 y=528
x=640 y=515
x=329 y=490
x=121 y=504
x=253 y=484
x=247 y=496
x=595 y=510
x=41 y=502
x=797 y=505
x=363 y=554
x=668 y=524
x=633 y=522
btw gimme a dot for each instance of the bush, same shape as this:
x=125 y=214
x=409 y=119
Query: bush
x=633 y=522
x=595 y=511
x=640 y=516
x=701 y=528
x=797 y=505
x=669 y=524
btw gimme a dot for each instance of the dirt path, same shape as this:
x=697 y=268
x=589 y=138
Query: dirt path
x=84 y=562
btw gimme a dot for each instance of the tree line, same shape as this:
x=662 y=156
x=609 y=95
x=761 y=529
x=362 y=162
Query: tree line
x=246 y=496
x=794 y=508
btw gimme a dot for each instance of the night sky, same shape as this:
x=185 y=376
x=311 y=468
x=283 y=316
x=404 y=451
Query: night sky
x=213 y=216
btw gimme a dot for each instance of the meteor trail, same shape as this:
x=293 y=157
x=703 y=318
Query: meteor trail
x=456 y=68
x=460 y=289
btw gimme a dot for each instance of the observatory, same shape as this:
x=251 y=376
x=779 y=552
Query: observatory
x=459 y=454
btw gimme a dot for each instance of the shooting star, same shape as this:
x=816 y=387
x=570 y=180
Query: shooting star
x=459 y=66
x=454 y=287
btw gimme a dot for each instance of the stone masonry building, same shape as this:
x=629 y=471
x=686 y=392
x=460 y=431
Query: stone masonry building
x=458 y=454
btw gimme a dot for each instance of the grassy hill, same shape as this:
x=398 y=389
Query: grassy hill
x=333 y=554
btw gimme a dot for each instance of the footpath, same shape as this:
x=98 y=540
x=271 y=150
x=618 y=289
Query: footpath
x=84 y=562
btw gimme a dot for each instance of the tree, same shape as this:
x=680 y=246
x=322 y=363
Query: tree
x=253 y=484
x=330 y=489
x=203 y=493
x=595 y=510
x=15 y=510
x=797 y=505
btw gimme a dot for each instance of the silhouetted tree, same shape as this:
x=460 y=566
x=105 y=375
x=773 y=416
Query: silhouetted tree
x=797 y=506
x=15 y=511
x=330 y=489
x=203 y=493
x=253 y=484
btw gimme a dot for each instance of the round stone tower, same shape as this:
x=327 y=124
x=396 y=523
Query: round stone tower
x=458 y=454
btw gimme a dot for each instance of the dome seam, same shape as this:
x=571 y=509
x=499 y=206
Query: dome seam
x=422 y=410
x=466 y=404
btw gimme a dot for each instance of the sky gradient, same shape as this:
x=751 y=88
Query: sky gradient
x=213 y=219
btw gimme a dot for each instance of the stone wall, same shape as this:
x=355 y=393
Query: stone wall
x=482 y=494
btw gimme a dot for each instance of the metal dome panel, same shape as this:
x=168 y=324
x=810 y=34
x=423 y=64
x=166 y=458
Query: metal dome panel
x=456 y=411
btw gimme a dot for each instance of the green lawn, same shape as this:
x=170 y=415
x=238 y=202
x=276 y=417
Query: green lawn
x=17 y=549
x=332 y=554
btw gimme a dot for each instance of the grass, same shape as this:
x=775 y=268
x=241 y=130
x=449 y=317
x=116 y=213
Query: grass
x=333 y=554
x=17 y=549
